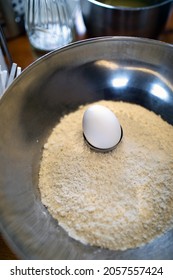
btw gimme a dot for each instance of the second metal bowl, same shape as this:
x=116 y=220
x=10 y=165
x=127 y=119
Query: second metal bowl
x=102 y=19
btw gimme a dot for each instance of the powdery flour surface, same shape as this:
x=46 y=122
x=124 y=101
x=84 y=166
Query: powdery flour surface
x=117 y=200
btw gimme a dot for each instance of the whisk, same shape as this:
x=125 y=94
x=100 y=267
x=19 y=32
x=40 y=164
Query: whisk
x=49 y=24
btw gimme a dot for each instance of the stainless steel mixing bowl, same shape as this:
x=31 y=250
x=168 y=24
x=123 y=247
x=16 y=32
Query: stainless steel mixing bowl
x=57 y=83
x=102 y=19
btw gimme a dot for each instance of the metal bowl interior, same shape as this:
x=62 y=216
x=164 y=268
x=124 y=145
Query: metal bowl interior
x=130 y=69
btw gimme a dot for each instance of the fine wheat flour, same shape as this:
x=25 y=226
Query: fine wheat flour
x=117 y=200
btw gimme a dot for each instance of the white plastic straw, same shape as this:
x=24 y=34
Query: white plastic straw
x=6 y=79
x=12 y=74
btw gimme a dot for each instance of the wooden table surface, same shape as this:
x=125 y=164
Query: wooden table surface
x=23 y=55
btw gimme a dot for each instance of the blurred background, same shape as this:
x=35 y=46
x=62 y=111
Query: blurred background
x=12 y=13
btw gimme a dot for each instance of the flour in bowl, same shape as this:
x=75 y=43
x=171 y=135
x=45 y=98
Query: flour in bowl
x=116 y=200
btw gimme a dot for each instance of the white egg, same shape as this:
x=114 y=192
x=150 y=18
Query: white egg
x=101 y=127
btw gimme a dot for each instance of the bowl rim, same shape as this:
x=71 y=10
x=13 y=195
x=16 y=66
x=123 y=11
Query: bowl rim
x=147 y=7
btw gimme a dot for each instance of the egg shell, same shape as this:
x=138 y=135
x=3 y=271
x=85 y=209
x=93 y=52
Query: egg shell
x=101 y=127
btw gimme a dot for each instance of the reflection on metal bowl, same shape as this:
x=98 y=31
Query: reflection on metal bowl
x=130 y=69
x=106 y=20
